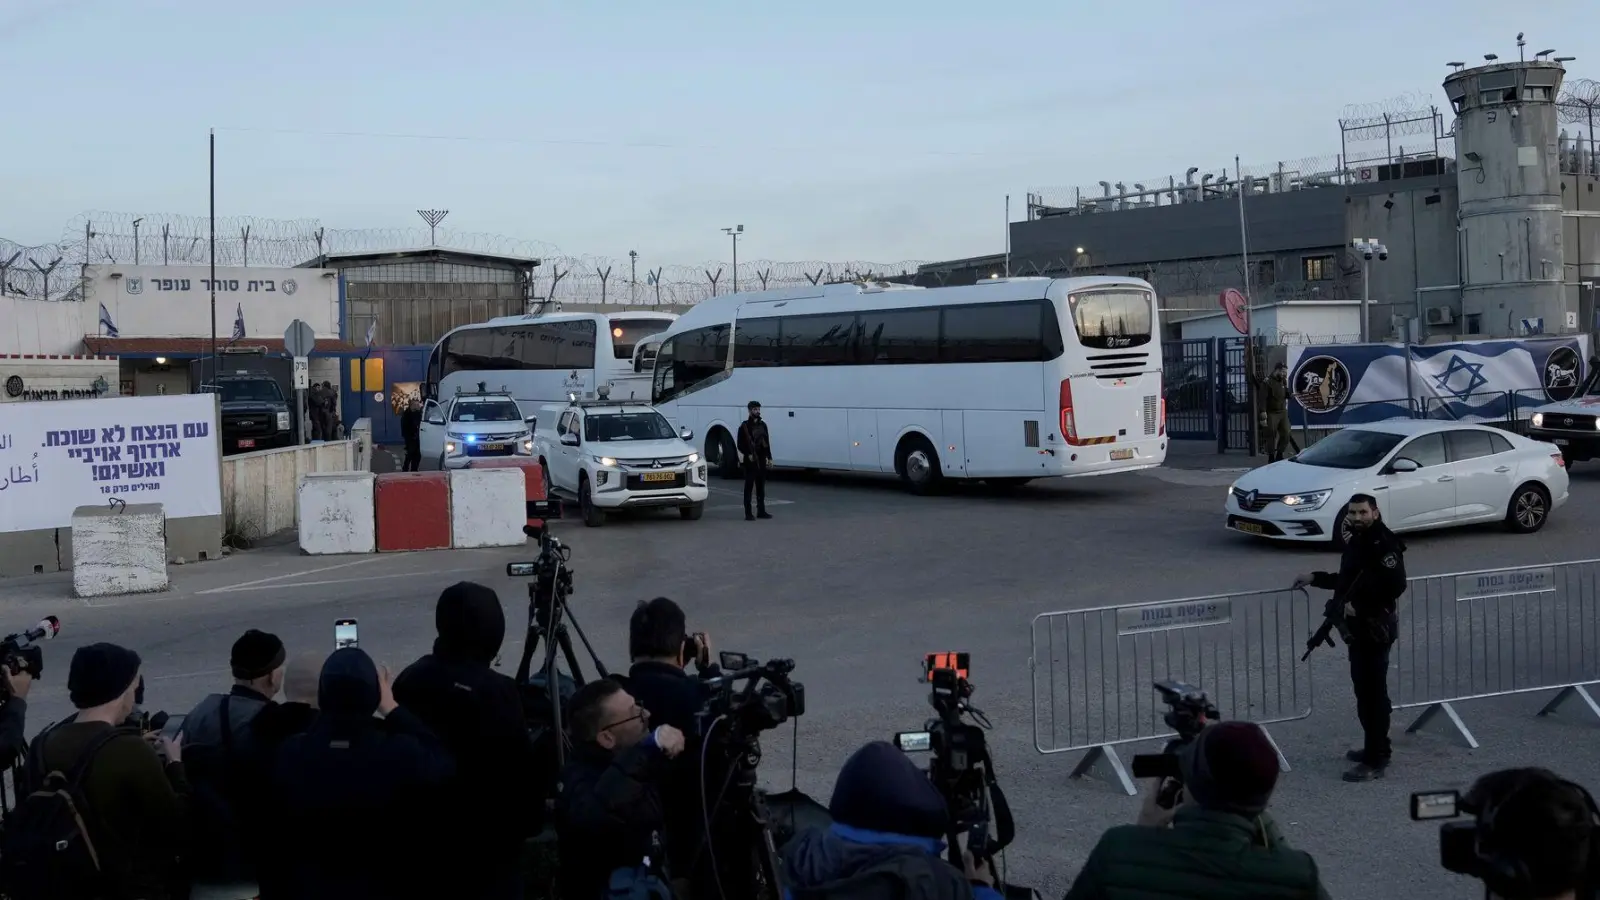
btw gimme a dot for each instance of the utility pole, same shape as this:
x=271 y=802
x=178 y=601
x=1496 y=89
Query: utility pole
x=735 y=232
x=633 y=277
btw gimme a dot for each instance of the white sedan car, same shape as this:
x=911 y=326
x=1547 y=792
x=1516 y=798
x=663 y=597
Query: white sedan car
x=1424 y=474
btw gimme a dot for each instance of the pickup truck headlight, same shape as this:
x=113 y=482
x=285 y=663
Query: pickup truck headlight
x=1538 y=420
x=1308 y=500
x=694 y=458
x=606 y=461
x=283 y=421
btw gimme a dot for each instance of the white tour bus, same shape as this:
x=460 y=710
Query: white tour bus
x=542 y=359
x=1006 y=380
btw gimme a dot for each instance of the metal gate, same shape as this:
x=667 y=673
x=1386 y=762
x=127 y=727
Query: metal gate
x=1207 y=392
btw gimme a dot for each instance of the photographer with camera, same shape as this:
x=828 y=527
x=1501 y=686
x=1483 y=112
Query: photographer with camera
x=21 y=661
x=1364 y=605
x=1216 y=841
x=1535 y=836
x=494 y=803
x=888 y=831
x=103 y=813
x=609 y=814
x=660 y=646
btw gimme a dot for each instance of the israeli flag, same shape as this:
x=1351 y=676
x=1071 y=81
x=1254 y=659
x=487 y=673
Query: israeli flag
x=372 y=330
x=106 y=325
x=238 y=323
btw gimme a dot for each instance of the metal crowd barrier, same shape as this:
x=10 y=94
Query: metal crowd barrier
x=1496 y=633
x=1093 y=669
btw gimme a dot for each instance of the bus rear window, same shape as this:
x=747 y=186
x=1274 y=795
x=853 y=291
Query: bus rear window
x=1112 y=319
x=626 y=334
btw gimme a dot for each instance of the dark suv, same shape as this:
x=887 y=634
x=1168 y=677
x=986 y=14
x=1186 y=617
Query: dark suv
x=255 y=413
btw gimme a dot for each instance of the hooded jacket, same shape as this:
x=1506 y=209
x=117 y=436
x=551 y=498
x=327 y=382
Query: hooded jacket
x=355 y=793
x=1206 y=853
x=844 y=863
x=496 y=801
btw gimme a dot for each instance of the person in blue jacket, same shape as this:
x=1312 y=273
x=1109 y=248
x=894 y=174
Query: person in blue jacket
x=886 y=840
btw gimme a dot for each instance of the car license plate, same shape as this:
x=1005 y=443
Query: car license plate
x=658 y=476
x=1122 y=454
x=246 y=443
x=492 y=448
x=1249 y=527
x=1561 y=442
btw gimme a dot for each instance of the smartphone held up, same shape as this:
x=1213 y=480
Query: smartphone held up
x=344 y=634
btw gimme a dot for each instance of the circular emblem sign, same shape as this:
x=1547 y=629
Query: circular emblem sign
x=14 y=386
x=1561 y=374
x=1321 y=384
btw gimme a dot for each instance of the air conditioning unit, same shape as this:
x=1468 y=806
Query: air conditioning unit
x=1440 y=315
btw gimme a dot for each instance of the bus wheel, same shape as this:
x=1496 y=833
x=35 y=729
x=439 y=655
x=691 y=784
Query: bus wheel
x=918 y=464
x=723 y=454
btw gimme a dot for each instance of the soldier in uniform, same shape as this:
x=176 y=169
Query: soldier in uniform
x=1272 y=394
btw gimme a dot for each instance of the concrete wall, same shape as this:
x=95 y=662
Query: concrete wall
x=260 y=490
x=51 y=327
x=1418 y=225
x=1286 y=323
x=175 y=301
x=1279 y=223
x=47 y=380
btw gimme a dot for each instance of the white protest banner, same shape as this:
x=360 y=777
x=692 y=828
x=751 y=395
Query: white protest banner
x=57 y=456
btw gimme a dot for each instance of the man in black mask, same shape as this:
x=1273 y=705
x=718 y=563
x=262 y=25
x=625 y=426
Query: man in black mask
x=497 y=799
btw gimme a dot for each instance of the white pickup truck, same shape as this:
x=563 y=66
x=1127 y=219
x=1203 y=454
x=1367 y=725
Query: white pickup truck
x=1572 y=424
x=613 y=455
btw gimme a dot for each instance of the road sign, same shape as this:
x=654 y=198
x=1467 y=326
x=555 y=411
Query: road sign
x=302 y=373
x=299 y=339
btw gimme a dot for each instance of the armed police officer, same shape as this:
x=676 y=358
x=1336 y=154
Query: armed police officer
x=755 y=450
x=1366 y=594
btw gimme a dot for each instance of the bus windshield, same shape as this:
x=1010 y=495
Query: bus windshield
x=626 y=333
x=640 y=426
x=1112 y=319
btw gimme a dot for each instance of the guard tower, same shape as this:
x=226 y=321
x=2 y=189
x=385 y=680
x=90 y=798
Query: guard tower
x=1510 y=194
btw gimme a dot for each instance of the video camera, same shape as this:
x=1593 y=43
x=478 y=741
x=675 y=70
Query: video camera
x=20 y=652
x=1188 y=713
x=1467 y=848
x=961 y=767
x=729 y=726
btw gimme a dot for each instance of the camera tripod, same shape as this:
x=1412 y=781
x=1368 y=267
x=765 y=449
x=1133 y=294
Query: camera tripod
x=548 y=617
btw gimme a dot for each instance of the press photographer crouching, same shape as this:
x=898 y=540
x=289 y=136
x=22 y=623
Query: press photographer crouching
x=1216 y=841
x=889 y=824
x=1535 y=836
x=609 y=814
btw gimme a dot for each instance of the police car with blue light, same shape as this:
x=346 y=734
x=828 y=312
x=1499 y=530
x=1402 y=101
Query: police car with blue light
x=481 y=424
x=618 y=455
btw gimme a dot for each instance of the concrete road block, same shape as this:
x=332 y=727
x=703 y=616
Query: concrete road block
x=119 y=550
x=336 y=513
x=413 y=511
x=532 y=472
x=487 y=508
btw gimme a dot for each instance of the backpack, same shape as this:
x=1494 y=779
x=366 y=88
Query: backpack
x=215 y=851
x=47 y=851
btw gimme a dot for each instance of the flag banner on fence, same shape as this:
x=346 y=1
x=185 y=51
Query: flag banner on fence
x=56 y=456
x=1468 y=381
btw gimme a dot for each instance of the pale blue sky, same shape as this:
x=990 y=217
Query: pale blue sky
x=880 y=130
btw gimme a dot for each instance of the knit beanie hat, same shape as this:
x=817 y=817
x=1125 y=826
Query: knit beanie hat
x=879 y=789
x=256 y=654
x=100 y=673
x=1230 y=767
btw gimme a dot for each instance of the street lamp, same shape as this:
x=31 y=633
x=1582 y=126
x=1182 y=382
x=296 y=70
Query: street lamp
x=1368 y=248
x=735 y=232
x=633 y=278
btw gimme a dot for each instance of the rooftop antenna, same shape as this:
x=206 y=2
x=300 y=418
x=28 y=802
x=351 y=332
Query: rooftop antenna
x=1521 y=57
x=433 y=217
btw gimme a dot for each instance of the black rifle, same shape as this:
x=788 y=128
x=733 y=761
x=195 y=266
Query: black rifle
x=1332 y=619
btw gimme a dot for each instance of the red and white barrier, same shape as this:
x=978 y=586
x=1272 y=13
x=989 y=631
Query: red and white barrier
x=337 y=513
x=412 y=511
x=487 y=508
